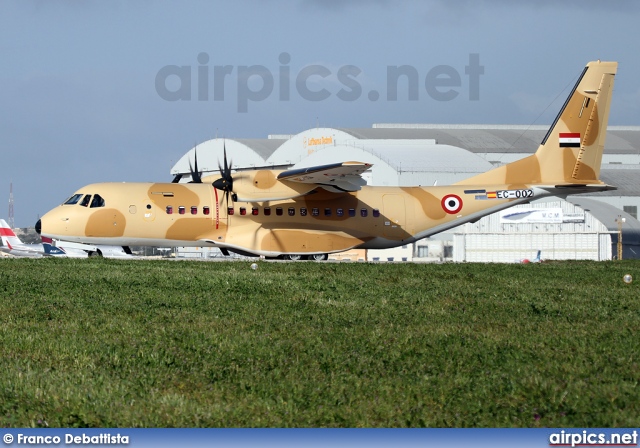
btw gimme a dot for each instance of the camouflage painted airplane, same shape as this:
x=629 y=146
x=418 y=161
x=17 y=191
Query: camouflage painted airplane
x=311 y=212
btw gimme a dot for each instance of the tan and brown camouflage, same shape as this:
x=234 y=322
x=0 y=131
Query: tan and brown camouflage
x=567 y=162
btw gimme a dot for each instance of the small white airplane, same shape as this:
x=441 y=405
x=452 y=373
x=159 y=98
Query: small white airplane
x=535 y=260
x=12 y=245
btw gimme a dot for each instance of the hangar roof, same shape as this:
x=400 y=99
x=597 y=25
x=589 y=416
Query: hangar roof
x=606 y=214
x=473 y=138
x=493 y=138
x=262 y=146
x=627 y=181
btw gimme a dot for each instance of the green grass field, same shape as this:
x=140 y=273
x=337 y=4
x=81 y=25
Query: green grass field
x=112 y=343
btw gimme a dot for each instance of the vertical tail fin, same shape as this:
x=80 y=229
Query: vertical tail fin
x=50 y=249
x=9 y=238
x=571 y=152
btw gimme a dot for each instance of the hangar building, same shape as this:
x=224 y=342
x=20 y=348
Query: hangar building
x=428 y=154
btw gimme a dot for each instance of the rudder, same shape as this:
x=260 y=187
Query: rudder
x=571 y=151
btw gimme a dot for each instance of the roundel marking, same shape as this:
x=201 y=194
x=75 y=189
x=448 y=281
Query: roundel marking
x=451 y=204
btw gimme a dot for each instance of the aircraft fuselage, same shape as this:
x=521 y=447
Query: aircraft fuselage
x=161 y=214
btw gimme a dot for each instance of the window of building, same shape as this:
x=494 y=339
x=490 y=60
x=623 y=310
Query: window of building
x=448 y=252
x=631 y=209
x=254 y=211
x=267 y=211
x=352 y=212
x=97 y=201
x=279 y=211
x=169 y=210
x=86 y=200
x=303 y=211
x=181 y=210
x=315 y=211
x=376 y=213
x=243 y=211
x=364 y=212
x=194 y=210
x=422 y=251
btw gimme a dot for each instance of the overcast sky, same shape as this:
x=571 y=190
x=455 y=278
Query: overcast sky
x=80 y=103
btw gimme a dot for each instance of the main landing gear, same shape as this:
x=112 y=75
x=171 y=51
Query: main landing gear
x=314 y=257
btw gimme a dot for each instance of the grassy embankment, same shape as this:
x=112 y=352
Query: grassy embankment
x=157 y=343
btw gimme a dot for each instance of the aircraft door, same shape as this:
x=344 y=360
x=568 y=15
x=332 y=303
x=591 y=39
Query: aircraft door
x=394 y=216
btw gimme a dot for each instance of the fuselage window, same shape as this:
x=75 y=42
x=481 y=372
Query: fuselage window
x=292 y=211
x=254 y=211
x=181 y=210
x=169 y=210
x=376 y=213
x=194 y=210
x=279 y=211
x=327 y=212
x=315 y=211
x=97 y=201
x=339 y=212
x=363 y=212
x=352 y=212
x=73 y=199
x=303 y=211
x=206 y=210
x=86 y=200
x=267 y=211
x=230 y=210
x=243 y=211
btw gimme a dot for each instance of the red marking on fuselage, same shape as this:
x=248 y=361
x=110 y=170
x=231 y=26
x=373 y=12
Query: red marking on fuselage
x=217 y=209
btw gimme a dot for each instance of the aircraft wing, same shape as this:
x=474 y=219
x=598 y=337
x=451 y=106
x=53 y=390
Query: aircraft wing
x=336 y=177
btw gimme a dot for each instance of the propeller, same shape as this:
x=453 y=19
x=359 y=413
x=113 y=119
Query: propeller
x=225 y=183
x=196 y=176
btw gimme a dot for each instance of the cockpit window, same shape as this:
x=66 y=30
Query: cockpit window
x=86 y=200
x=73 y=199
x=97 y=201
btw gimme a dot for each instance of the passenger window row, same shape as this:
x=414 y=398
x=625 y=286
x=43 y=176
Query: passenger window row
x=182 y=210
x=279 y=211
x=303 y=211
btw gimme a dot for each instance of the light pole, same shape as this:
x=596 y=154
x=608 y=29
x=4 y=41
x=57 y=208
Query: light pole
x=620 y=220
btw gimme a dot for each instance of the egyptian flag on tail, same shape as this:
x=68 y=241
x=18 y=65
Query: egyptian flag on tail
x=569 y=139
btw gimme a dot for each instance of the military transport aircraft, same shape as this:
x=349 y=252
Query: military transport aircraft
x=314 y=211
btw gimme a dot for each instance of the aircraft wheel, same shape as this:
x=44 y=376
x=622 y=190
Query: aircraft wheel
x=293 y=257
x=96 y=254
x=318 y=257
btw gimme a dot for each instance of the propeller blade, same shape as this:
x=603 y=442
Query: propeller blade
x=196 y=176
x=224 y=149
x=225 y=182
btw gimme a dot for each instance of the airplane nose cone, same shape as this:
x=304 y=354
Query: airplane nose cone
x=39 y=227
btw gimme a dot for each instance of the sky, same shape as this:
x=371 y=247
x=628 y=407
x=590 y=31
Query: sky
x=115 y=90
